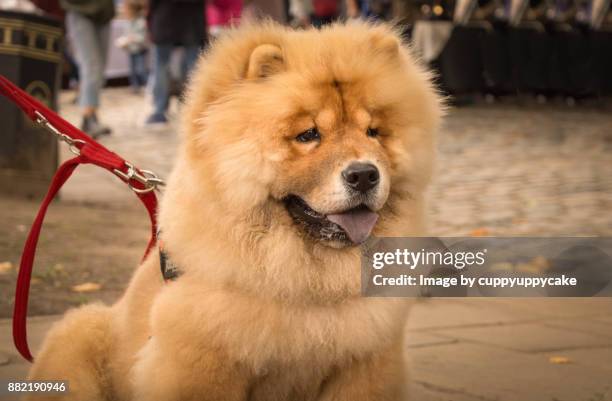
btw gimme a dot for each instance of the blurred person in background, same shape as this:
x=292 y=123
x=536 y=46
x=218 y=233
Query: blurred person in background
x=370 y=9
x=134 y=42
x=270 y=9
x=222 y=14
x=173 y=23
x=70 y=70
x=87 y=22
x=315 y=12
x=50 y=7
x=300 y=12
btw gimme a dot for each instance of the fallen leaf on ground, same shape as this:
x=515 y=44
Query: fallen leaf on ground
x=537 y=265
x=502 y=266
x=559 y=360
x=5 y=267
x=480 y=232
x=86 y=287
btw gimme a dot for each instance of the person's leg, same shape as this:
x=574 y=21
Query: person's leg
x=102 y=37
x=141 y=67
x=161 y=60
x=103 y=40
x=84 y=39
x=190 y=56
x=134 y=78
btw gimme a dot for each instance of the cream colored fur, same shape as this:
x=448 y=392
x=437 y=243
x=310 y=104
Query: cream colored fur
x=263 y=312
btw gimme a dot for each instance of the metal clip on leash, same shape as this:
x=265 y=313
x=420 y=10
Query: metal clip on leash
x=74 y=144
x=147 y=178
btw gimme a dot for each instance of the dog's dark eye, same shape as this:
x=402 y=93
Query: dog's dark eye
x=372 y=132
x=309 y=135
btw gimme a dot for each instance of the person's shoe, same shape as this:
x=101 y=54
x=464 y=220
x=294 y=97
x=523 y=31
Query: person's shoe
x=156 y=120
x=93 y=128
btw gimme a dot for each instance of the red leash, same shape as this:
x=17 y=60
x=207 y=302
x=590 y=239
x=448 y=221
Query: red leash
x=87 y=151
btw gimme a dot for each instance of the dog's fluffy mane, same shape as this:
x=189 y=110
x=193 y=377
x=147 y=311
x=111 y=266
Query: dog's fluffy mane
x=262 y=311
x=218 y=196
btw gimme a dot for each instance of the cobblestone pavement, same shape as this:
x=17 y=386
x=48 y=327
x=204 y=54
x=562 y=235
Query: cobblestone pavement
x=516 y=171
x=503 y=170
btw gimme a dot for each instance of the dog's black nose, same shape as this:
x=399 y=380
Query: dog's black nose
x=361 y=176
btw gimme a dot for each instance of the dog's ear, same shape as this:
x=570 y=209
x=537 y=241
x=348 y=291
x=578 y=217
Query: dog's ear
x=386 y=44
x=265 y=60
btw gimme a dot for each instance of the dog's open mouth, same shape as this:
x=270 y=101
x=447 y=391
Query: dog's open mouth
x=352 y=226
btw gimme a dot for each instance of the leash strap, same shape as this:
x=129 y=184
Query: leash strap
x=87 y=151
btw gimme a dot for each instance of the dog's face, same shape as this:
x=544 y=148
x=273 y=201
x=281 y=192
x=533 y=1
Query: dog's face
x=328 y=131
x=337 y=175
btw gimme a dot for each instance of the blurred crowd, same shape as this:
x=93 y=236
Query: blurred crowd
x=493 y=47
x=547 y=48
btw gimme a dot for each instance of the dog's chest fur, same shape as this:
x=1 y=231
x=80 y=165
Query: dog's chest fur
x=304 y=347
x=295 y=384
x=289 y=349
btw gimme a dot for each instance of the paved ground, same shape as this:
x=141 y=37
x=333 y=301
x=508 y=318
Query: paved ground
x=481 y=350
x=504 y=170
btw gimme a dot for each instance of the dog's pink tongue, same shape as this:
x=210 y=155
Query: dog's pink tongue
x=357 y=223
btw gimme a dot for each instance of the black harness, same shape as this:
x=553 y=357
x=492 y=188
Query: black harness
x=169 y=270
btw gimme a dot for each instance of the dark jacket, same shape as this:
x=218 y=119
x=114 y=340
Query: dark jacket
x=177 y=22
x=99 y=11
x=51 y=7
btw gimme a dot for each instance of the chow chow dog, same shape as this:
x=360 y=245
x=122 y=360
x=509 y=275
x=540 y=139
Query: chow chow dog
x=297 y=147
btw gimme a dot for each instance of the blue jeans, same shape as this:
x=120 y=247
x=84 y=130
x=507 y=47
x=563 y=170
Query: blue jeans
x=138 y=69
x=90 y=45
x=161 y=72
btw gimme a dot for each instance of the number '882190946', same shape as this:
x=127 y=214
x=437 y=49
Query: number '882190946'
x=33 y=386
